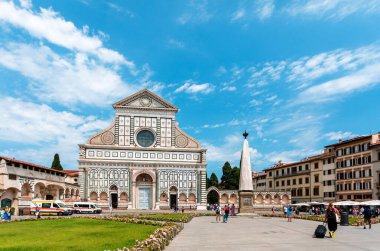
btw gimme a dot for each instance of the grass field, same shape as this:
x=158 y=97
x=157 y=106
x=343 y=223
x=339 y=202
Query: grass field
x=71 y=234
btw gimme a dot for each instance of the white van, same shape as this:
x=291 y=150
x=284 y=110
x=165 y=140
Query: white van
x=50 y=207
x=86 y=207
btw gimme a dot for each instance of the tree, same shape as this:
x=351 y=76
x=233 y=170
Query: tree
x=214 y=180
x=226 y=177
x=56 y=164
x=235 y=177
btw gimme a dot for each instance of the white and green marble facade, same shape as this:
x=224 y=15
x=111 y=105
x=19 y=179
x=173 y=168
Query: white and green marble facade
x=112 y=162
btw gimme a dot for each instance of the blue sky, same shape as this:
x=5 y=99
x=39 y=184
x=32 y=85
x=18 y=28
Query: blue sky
x=297 y=75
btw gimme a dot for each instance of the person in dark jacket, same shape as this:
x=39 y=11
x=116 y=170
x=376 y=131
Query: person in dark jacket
x=330 y=217
x=367 y=216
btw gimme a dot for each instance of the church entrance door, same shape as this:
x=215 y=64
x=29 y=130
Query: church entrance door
x=173 y=201
x=144 y=198
x=114 y=200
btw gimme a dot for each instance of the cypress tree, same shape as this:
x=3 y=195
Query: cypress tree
x=56 y=164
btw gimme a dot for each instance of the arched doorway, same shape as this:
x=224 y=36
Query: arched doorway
x=144 y=183
x=113 y=194
x=26 y=192
x=233 y=199
x=212 y=197
x=224 y=198
x=259 y=199
x=173 y=197
x=39 y=191
x=285 y=199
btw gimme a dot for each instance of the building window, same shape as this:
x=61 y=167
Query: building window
x=294 y=181
x=316 y=191
x=300 y=181
x=348 y=151
x=288 y=182
x=145 y=138
x=300 y=168
x=270 y=174
x=270 y=183
x=316 y=165
x=307 y=167
x=307 y=180
x=283 y=183
x=357 y=149
x=299 y=192
x=277 y=184
x=307 y=193
x=366 y=146
x=12 y=176
x=316 y=178
x=340 y=152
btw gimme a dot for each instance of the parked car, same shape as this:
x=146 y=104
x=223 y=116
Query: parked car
x=50 y=207
x=86 y=207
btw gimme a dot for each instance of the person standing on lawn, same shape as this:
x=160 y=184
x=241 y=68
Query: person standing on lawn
x=7 y=214
x=330 y=217
x=367 y=216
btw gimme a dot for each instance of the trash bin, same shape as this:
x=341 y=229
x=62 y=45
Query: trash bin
x=344 y=219
x=20 y=211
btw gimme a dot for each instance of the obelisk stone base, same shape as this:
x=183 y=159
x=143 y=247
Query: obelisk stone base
x=246 y=202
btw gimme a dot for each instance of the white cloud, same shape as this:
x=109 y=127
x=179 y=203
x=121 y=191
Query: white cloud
x=229 y=88
x=48 y=24
x=230 y=150
x=332 y=9
x=240 y=13
x=44 y=130
x=255 y=102
x=193 y=88
x=176 y=43
x=271 y=98
x=265 y=9
x=64 y=80
x=290 y=156
x=338 y=88
x=339 y=135
x=196 y=12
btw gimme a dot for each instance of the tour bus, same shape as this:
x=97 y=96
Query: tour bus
x=86 y=207
x=50 y=207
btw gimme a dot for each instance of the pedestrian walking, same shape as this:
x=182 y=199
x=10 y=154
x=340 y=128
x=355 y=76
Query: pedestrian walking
x=226 y=213
x=233 y=212
x=38 y=213
x=272 y=210
x=7 y=214
x=290 y=213
x=367 y=216
x=331 y=218
x=217 y=213
x=183 y=209
x=285 y=211
x=110 y=207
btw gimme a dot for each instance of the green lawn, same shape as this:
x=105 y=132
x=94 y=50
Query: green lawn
x=71 y=234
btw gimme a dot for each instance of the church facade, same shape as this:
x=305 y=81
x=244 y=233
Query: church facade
x=143 y=160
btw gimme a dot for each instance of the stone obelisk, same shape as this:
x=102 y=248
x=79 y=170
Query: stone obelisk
x=245 y=182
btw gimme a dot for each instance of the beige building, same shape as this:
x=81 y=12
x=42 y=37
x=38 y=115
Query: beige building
x=347 y=170
x=21 y=182
x=357 y=168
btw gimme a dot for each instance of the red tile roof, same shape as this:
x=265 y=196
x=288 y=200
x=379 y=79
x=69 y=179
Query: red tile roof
x=13 y=160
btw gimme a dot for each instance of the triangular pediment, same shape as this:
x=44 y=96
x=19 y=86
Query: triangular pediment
x=145 y=99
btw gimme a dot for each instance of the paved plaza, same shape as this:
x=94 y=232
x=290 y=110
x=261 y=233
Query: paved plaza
x=244 y=233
